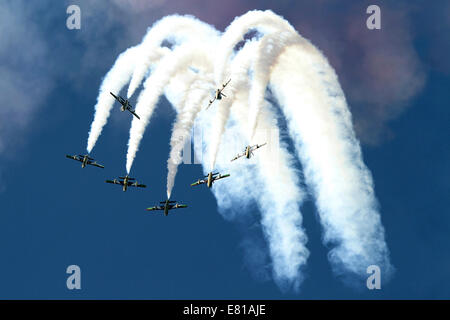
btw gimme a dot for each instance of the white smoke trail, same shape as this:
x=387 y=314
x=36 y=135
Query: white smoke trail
x=114 y=80
x=265 y=22
x=271 y=179
x=185 y=119
x=270 y=47
x=184 y=123
x=320 y=124
x=175 y=28
x=136 y=61
x=182 y=57
x=281 y=218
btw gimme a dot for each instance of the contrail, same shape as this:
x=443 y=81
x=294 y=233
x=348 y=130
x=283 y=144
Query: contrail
x=115 y=79
x=273 y=178
x=183 y=125
x=270 y=47
x=185 y=118
x=307 y=91
x=275 y=188
x=179 y=60
x=320 y=124
x=265 y=22
x=136 y=61
x=281 y=218
x=176 y=29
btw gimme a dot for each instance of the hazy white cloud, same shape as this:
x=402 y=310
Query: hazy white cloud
x=25 y=82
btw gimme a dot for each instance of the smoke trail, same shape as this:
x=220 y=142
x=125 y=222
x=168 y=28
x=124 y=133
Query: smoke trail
x=239 y=70
x=320 y=124
x=265 y=22
x=114 y=80
x=342 y=256
x=185 y=120
x=135 y=62
x=271 y=179
x=183 y=125
x=184 y=56
x=281 y=219
x=274 y=186
x=176 y=29
x=270 y=48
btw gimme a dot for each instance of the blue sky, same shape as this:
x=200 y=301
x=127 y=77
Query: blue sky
x=55 y=214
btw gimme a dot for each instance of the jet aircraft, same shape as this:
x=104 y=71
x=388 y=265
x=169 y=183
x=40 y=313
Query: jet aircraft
x=166 y=206
x=218 y=94
x=125 y=105
x=210 y=179
x=248 y=152
x=85 y=160
x=126 y=182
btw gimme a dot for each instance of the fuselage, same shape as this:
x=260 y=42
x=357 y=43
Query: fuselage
x=125 y=105
x=247 y=152
x=210 y=180
x=166 y=207
x=218 y=94
x=85 y=160
x=125 y=183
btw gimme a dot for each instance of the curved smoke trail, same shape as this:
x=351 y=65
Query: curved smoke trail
x=265 y=22
x=179 y=60
x=136 y=61
x=282 y=220
x=271 y=179
x=270 y=47
x=183 y=125
x=319 y=124
x=176 y=29
x=115 y=79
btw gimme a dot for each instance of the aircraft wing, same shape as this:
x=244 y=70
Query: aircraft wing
x=114 y=182
x=257 y=146
x=211 y=102
x=221 y=177
x=154 y=208
x=238 y=156
x=95 y=164
x=226 y=83
x=73 y=157
x=116 y=97
x=177 y=206
x=134 y=113
x=135 y=184
x=198 y=183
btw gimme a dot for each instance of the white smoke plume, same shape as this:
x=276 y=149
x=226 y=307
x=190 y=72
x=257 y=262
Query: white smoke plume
x=281 y=222
x=175 y=29
x=115 y=79
x=192 y=54
x=320 y=124
x=183 y=125
x=135 y=62
x=308 y=93
x=265 y=22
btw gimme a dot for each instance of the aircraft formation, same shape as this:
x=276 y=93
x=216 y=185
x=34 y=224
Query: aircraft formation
x=127 y=181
